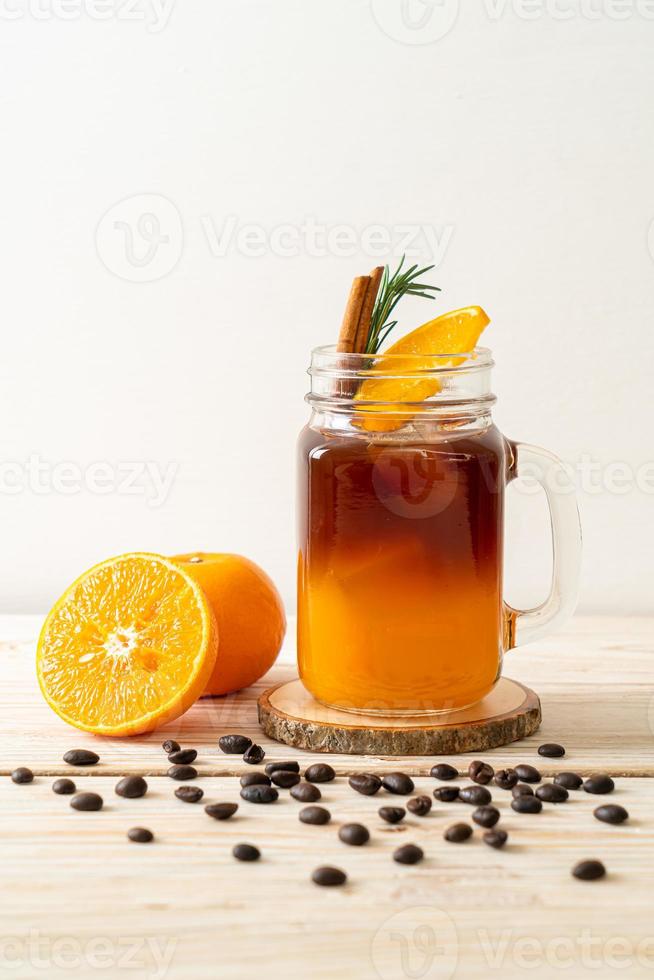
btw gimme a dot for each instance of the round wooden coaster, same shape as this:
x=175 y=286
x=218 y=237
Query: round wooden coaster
x=288 y=713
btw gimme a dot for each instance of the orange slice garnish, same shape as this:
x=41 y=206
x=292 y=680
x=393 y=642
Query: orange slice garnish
x=128 y=647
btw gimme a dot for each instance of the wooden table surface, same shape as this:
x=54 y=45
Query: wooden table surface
x=79 y=899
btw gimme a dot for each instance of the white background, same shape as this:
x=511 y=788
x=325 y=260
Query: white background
x=523 y=137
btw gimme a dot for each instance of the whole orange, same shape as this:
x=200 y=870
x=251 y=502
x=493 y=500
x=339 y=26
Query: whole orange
x=250 y=616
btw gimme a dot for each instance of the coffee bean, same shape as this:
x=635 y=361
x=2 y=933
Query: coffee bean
x=285 y=779
x=398 y=783
x=259 y=794
x=292 y=766
x=221 y=811
x=392 y=814
x=183 y=757
x=315 y=815
x=170 y=745
x=319 y=773
x=234 y=744
x=552 y=793
x=354 y=833
x=305 y=793
x=420 y=805
x=521 y=790
x=63 y=787
x=182 y=772
x=408 y=854
x=86 y=801
x=328 y=876
x=132 y=787
x=589 y=870
x=611 y=813
x=255 y=779
x=22 y=775
x=475 y=795
x=526 y=804
x=599 y=784
x=141 y=835
x=571 y=780
x=551 y=750
x=486 y=816
x=444 y=771
x=81 y=757
x=446 y=793
x=246 y=852
x=495 y=838
x=528 y=774
x=254 y=755
x=189 y=794
x=506 y=778
x=365 y=783
x=480 y=772
x=458 y=833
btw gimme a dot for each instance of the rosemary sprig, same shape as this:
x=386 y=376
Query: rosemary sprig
x=392 y=289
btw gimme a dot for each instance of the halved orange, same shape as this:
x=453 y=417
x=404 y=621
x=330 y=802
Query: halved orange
x=128 y=647
x=456 y=332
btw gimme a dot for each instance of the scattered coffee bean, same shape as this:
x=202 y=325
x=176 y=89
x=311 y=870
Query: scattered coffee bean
x=528 y=774
x=22 y=775
x=446 y=793
x=328 y=876
x=521 y=790
x=259 y=794
x=255 y=779
x=182 y=772
x=132 y=787
x=589 y=870
x=315 y=814
x=551 y=750
x=354 y=833
x=189 y=794
x=221 y=811
x=81 y=757
x=398 y=783
x=458 y=832
x=285 y=779
x=495 y=838
x=63 y=787
x=392 y=814
x=552 y=793
x=319 y=773
x=611 y=813
x=444 y=771
x=234 y=744
x=506 y=778
x=170 y=745
x=254 y=755
x=292 y=766
x=86 y=801
x=305 y=793
x=140 y=835
x=486 y=816
x=246 y=852
x=526 y=804
x=365 y=783
x=571 y=780
x=480 y=772
x=183 y=757
x=420 y=805
x=599 y=784
x=408 y=854
x=475 y=795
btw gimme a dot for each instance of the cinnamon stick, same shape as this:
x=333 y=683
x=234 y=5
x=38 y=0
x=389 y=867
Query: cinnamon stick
x=349 y=328
x=367 y=307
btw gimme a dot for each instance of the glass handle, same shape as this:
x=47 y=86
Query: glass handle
x=524 y=625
